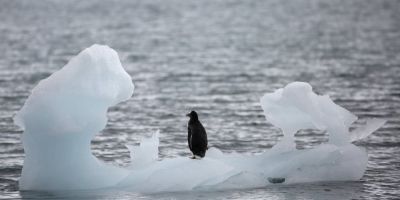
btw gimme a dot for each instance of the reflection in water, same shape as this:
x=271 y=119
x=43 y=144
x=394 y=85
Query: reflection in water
x=328 y=191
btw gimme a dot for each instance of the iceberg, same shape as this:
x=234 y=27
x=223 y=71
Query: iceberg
x=62 y=115
x=66 y=110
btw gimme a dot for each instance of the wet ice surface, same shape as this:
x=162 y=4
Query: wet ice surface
x=218 y=58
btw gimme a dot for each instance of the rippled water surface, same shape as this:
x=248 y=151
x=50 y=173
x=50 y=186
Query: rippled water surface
x=219 y=58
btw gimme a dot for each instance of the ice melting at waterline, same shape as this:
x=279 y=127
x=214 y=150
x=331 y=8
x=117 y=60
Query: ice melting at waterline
x=67 y=109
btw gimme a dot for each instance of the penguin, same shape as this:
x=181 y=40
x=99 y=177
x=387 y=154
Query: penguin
x=197 y=136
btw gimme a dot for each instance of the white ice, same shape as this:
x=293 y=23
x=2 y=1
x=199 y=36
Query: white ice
x=67 y=109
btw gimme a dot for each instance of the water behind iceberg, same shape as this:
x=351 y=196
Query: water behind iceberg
x=231 y=52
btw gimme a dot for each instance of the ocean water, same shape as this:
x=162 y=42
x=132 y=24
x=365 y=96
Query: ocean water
x=218 y=58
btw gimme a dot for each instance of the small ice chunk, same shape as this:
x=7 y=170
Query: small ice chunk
x=366 y=130
x=146 y=153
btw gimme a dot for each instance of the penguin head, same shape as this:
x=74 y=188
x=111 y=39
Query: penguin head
x=193 y=115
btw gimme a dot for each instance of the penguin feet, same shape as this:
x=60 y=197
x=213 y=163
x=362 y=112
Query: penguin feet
x=196 y=157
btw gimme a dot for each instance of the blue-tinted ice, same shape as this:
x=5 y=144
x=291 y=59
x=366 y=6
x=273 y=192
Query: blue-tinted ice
x=67 y=109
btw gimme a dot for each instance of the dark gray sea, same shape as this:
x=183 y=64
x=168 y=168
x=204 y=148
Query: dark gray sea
x=218 y=58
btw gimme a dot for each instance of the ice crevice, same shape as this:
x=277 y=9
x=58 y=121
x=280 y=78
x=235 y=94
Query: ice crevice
x=66 y=110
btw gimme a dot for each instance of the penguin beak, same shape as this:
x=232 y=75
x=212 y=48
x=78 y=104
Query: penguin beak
x=188 y=115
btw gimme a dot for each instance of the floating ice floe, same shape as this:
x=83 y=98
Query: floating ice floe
x=66 y=110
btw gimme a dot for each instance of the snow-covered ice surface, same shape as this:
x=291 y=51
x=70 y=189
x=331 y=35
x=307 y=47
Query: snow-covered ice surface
x=67 y=109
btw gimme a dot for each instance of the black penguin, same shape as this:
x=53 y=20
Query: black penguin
x=197 y=136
